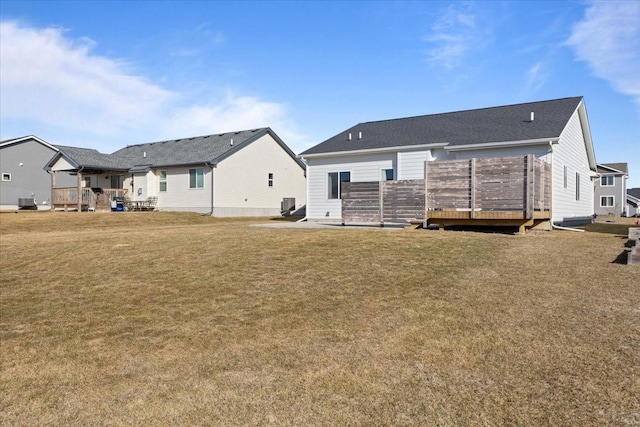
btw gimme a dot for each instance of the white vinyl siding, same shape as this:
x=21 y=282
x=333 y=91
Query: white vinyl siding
x=239 y=180
x=570 y=151
x=364 y=167
x=411 y=164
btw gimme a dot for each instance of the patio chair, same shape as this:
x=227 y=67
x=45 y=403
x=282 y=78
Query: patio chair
x=128 y=206
x=151 y=203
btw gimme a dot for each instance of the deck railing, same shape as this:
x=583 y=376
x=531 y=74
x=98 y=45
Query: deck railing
x=67 y=198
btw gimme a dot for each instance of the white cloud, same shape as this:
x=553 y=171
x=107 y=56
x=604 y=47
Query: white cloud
x=453 y=35
x=608 y=40
x=50 y=81
x=536 y=77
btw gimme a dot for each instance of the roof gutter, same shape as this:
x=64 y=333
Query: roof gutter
x=467 y=147
x=373 y=150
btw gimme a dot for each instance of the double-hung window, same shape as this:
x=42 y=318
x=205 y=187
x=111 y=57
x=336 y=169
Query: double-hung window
x=270 y=180
x=335 y=183
x=163 y=181
x=196 y=178
x=606 y=181
x=607 y=201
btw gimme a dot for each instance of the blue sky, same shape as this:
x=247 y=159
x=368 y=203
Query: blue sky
x=105 y=74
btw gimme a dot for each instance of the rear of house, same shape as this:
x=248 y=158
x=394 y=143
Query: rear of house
x=555 y=131
x=244 y=173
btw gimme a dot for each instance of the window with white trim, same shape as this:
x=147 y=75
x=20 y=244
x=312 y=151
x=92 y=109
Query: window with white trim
x=6 y=177
x=606 y=181
x=607 y=201
x=577 y=186
x=566 y=177
x=387 y=174
x=335 y=183
x=196 y=178
x=270 y=180
x=162 y=179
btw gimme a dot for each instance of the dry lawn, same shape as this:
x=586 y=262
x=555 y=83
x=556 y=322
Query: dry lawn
x=180 y=319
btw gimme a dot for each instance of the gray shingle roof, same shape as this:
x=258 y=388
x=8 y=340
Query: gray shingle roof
x=606 y=167
x=486 y=125
x=175 y=152
x=90 y=158
x=635 y=192
x=187 y=151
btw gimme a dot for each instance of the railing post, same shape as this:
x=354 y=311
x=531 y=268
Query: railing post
x=381 y=201
x=530 y=182
x=426 y=194
x=473 y=188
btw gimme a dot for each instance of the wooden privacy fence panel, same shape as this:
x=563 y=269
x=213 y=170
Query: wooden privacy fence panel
x=448 y=185
x=500 y=184
x=383 y=201
x=488 y=188
x=403 y=201
x=496 y=184
x=360 y=201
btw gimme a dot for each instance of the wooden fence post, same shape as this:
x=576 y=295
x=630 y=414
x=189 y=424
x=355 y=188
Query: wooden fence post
x=381 y=201
x=473 y=189
x=529 y=182
x=426 y=194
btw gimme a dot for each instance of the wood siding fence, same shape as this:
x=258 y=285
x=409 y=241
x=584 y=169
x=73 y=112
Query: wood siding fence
x=494 y=188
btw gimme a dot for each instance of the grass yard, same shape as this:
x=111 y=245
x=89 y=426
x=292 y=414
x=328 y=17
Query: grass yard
x=179 y=319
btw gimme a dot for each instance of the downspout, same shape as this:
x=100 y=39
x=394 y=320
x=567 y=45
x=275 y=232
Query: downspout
x=553 y=226
x=557 y=227
x=210 y=213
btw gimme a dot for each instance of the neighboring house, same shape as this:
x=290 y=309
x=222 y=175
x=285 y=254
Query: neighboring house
x=246 y=173
x=24 y=179
x=611 y=189
x=556 y=131
x=633 y=202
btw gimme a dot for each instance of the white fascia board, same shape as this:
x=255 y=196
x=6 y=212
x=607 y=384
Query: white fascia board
x=26 y=138
x=374 y=150
x=586 y=132
x=613 y=171
x=502 y=144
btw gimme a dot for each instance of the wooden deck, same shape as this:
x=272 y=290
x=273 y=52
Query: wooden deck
x=502 y=191
x=67 y=198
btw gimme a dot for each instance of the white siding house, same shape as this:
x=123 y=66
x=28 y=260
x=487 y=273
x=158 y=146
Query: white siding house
x=245 y=173
x=556 y=131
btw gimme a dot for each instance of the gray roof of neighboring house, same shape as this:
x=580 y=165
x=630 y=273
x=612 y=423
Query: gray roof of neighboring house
x=188 y=151
x=634 y=192
x=607 y=168
x=175 y=152
x=486 y=125
x=90 y=158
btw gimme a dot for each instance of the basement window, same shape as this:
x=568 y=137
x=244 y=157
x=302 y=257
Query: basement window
x=607 y=201
x=6 y=177
x=335 y=183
